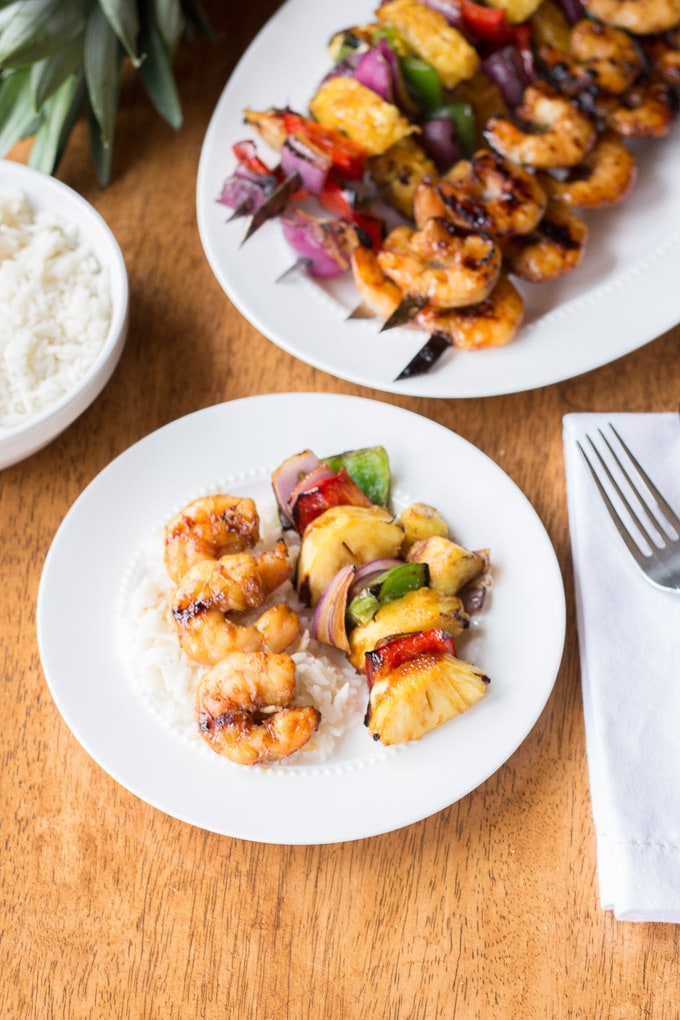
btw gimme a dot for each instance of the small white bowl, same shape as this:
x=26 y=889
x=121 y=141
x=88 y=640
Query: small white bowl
x=47 y=193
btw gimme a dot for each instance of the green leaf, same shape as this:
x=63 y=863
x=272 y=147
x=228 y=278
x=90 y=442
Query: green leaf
x=101 y=60
x=17 y=111
x=123 y=17
x=48 y=74
x=59 y=114
x=157 y=75
x=102 y=156
x=196 y=16
x=39 y=28
x=170 y=21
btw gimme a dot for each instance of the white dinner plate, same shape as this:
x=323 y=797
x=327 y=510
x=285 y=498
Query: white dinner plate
x=364 y=788
x=623 y=295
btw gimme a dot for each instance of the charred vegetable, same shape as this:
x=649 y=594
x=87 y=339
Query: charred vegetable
x=386 y=587
x=450 y=566
x=342 y=536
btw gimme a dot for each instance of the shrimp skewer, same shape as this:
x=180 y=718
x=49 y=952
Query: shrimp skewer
x=213 y=589
x=605 y=177
x=208 y=528
x=641 y=17
x=559 y=133
x=554 y=248
x=243 y=709
x=441 y=265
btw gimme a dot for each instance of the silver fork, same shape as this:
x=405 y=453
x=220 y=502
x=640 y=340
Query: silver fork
x=658 y=555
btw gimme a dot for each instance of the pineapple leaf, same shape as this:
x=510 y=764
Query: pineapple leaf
x=48 y=74
x=101 y=62
x=59 y=114
x=17 y=111
x=39 y=28
x=157 y=74
x=123 y=17
x=102 y=155
x=196 y=17
x=170 y=22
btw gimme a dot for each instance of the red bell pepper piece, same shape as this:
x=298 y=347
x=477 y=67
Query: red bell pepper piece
x=397 y=650
x=348 y=157
x=339 y=202
x=246 y=154
x=337 y=490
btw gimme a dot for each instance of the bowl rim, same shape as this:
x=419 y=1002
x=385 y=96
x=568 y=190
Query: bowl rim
x=44 y=192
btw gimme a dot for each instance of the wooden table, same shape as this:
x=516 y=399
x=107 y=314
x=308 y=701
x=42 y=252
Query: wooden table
x=110 y=908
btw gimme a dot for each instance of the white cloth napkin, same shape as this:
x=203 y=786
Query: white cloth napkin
x=629 y=640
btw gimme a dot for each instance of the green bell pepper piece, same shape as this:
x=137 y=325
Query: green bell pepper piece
x=462 y=117
x=422 y=82
x=369 y=468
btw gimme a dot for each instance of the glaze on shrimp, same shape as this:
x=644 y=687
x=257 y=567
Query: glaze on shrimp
x=493 y=322
x=557 y=134
x=441 y=265
x=554 y=248
x=208 y=528
x=605 y=177
x=243 y=709
x=213 y=589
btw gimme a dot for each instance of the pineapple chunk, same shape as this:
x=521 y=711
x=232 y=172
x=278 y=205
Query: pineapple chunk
x=420 y=695
x=421 y=521
x=430 y=36
x=339 y=537
x=348 y=106
x=399 y=171
x=451 y=566
x=415 y=611
x=517 y=10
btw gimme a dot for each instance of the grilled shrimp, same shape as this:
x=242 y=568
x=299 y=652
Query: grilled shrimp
x=242 y=709
x=490 y=194
x=441 y=265
x=647 y=110
x=555 y=247
x=641 y=17
x=605 y=177
x=559 y=133
x=663 y=54
x=212 y=589
x=376 y=290
x=599 y=57
x=490 y=323
x=208 y=528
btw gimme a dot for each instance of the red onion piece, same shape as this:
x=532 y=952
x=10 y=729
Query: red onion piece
x=321 y=243
x=307 y=482
x=313 y=166
x=451 y=9
x=367 y=573
x=506 y=69
x=288 y=474
x=438 y=139
x=245 y=186
x=374 y=70
x=328 y=622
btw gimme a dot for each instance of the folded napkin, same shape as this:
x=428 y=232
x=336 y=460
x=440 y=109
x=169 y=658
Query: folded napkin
x=629 y=640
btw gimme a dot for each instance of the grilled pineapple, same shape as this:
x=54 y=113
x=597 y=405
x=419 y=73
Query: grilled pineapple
x=431 y=37
x=417 y=610
x=420 y=695
x=348 y=106
x=517 y=10
x=399 y=171
x=420 y=521
x=451 y=566
x=341 y=536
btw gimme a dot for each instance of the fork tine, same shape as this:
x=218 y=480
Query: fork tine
x=661 y=502
x=632 y=546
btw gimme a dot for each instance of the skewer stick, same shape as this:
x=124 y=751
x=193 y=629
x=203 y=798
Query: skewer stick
x=425 y=358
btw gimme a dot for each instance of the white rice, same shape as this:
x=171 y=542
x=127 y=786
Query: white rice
x=56 y=309
x=166 y=679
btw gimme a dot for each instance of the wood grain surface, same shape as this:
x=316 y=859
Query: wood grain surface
x=110 y=909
